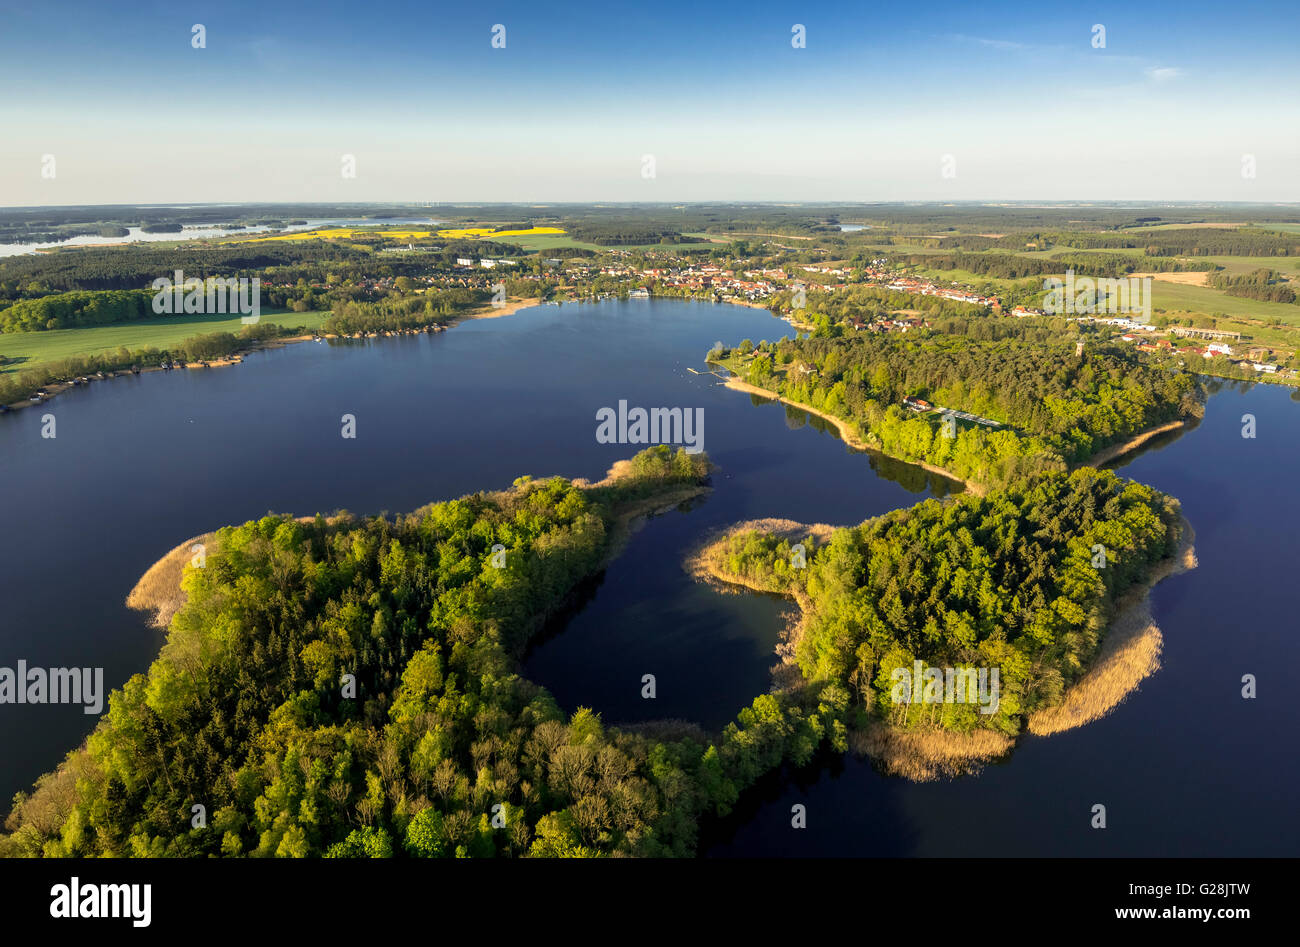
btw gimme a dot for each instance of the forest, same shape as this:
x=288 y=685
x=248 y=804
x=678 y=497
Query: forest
x=626 y=234
x=1009 y=266
x=77 y=310
x=403 y=312
x=312 y=261
x=1054 y=407
x=349 y=687
x=1263 y=284
x=1013 y=580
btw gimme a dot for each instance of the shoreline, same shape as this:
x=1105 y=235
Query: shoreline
x=1104 y=456
x=57 y=388
x=496 y=312
x=849 y=437
x=1129 y=652
x=158 y=590
x=1107 y=454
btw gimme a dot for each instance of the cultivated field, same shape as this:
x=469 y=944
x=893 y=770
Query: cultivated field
x=352 y=233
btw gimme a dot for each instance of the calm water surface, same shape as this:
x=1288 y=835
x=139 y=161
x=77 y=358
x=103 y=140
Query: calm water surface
x=1184 y=767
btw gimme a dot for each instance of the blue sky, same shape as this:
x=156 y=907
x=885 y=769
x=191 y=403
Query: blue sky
x=1012 y=99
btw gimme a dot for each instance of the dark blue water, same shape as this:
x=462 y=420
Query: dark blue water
x=1185 y=766
x=142 y=463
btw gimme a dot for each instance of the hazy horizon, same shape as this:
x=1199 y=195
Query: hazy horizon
x=705 y=202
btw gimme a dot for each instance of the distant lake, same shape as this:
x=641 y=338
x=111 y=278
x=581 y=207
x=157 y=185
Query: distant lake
x=137 y=235
x=144 y=462
x=853 y=228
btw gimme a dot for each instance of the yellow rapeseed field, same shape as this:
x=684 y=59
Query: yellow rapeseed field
x=465 y=233
x=488 y=231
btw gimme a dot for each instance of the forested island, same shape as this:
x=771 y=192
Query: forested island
x=349 y=687
x=1025 y=580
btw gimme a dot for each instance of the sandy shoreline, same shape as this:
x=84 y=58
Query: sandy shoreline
x=159 y=591
x=1107 y=454
x=496 y=312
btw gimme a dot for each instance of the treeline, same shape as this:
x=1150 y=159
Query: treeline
x=104 y=268
x=351 y=689
x=1213 y=241
x=1009 y=266
x=77 y=310
x=313 y=261
x=1024 y=580
x=626 y=234
x=1054 y=407
x=1188 y=241
x=17 y=386
x=1262 y=284
x=397 y=312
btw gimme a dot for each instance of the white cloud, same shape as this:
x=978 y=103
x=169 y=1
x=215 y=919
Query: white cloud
x=1162 y=73
x=985 y=41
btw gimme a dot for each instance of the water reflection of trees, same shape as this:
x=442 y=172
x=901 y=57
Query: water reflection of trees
x=910 y=477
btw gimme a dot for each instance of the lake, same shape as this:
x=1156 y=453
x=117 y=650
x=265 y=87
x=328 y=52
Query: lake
x=141 y=463
x=138 y=235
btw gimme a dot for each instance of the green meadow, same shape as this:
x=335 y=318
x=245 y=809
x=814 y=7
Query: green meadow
x=36 y=348
x=1172 y=296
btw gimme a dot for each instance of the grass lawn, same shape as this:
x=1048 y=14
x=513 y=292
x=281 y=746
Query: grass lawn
x=36 y=348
